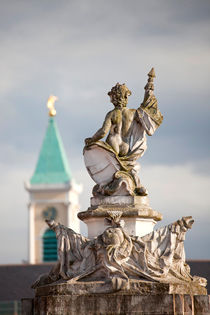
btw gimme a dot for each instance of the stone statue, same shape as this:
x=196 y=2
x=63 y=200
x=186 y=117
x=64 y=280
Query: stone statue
x=146 y=266
x=113 y=164
x=117 y=257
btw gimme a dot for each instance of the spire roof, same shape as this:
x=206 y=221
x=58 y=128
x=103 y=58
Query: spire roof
x=52 y=166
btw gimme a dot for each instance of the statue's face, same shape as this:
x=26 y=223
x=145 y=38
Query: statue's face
x=113 y=236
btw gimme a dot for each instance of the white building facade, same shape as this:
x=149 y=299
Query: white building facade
x=53 y=194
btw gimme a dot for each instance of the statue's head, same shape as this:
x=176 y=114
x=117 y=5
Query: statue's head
x=113 y=236
x=119 y=95
x=116 y=240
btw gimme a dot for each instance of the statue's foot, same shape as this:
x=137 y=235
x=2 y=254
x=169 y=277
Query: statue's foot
x=141 y=191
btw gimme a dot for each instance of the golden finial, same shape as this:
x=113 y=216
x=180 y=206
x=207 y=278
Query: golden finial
x=50 y=104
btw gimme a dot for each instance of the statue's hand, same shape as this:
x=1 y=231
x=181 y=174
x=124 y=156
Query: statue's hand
x=88 y=141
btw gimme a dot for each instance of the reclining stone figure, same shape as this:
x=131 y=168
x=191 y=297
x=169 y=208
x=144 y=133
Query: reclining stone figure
x=118 y=257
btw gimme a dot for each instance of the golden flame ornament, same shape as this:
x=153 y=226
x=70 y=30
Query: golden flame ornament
x=51 y=105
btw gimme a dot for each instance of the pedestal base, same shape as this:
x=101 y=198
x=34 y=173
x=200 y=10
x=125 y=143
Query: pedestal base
x=142 y=298
x=139 y=218
x=133 y=226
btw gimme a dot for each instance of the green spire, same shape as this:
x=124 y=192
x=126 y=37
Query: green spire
x=52 y=166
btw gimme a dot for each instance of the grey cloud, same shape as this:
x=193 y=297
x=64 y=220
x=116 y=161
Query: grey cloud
x=79 y=20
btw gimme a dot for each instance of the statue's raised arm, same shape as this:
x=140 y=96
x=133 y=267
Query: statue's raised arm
x=112 y=163
x=148 y=112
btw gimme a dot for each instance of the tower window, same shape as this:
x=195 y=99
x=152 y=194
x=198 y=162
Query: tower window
x=49 y=246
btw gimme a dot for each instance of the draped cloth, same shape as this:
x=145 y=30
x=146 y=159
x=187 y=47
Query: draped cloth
x=157 y=256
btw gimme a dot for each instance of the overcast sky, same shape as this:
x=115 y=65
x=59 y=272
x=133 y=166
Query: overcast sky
x=78 y=50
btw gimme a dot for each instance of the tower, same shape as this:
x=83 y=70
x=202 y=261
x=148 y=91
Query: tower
x=53 y=194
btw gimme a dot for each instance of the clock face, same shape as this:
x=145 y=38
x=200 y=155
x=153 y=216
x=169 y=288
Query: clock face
x=50 y=213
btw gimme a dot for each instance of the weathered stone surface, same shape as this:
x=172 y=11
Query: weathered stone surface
x=139 y=217
x=146 y=299
x=130 y=206
x=187 y=288
x=129 y=211
x=120 y=200
x=105 y=287
x=133 y=226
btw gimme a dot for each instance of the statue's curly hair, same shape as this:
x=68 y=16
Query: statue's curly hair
x=119 y=94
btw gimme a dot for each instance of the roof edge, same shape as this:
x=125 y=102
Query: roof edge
x=47 y=187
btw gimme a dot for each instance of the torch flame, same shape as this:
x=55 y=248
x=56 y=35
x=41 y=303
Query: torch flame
x=50 y=104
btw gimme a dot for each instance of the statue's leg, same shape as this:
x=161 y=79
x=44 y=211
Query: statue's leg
x=139 y=190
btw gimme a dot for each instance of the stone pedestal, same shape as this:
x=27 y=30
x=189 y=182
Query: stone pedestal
x=139 y=218
x=143 y=297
